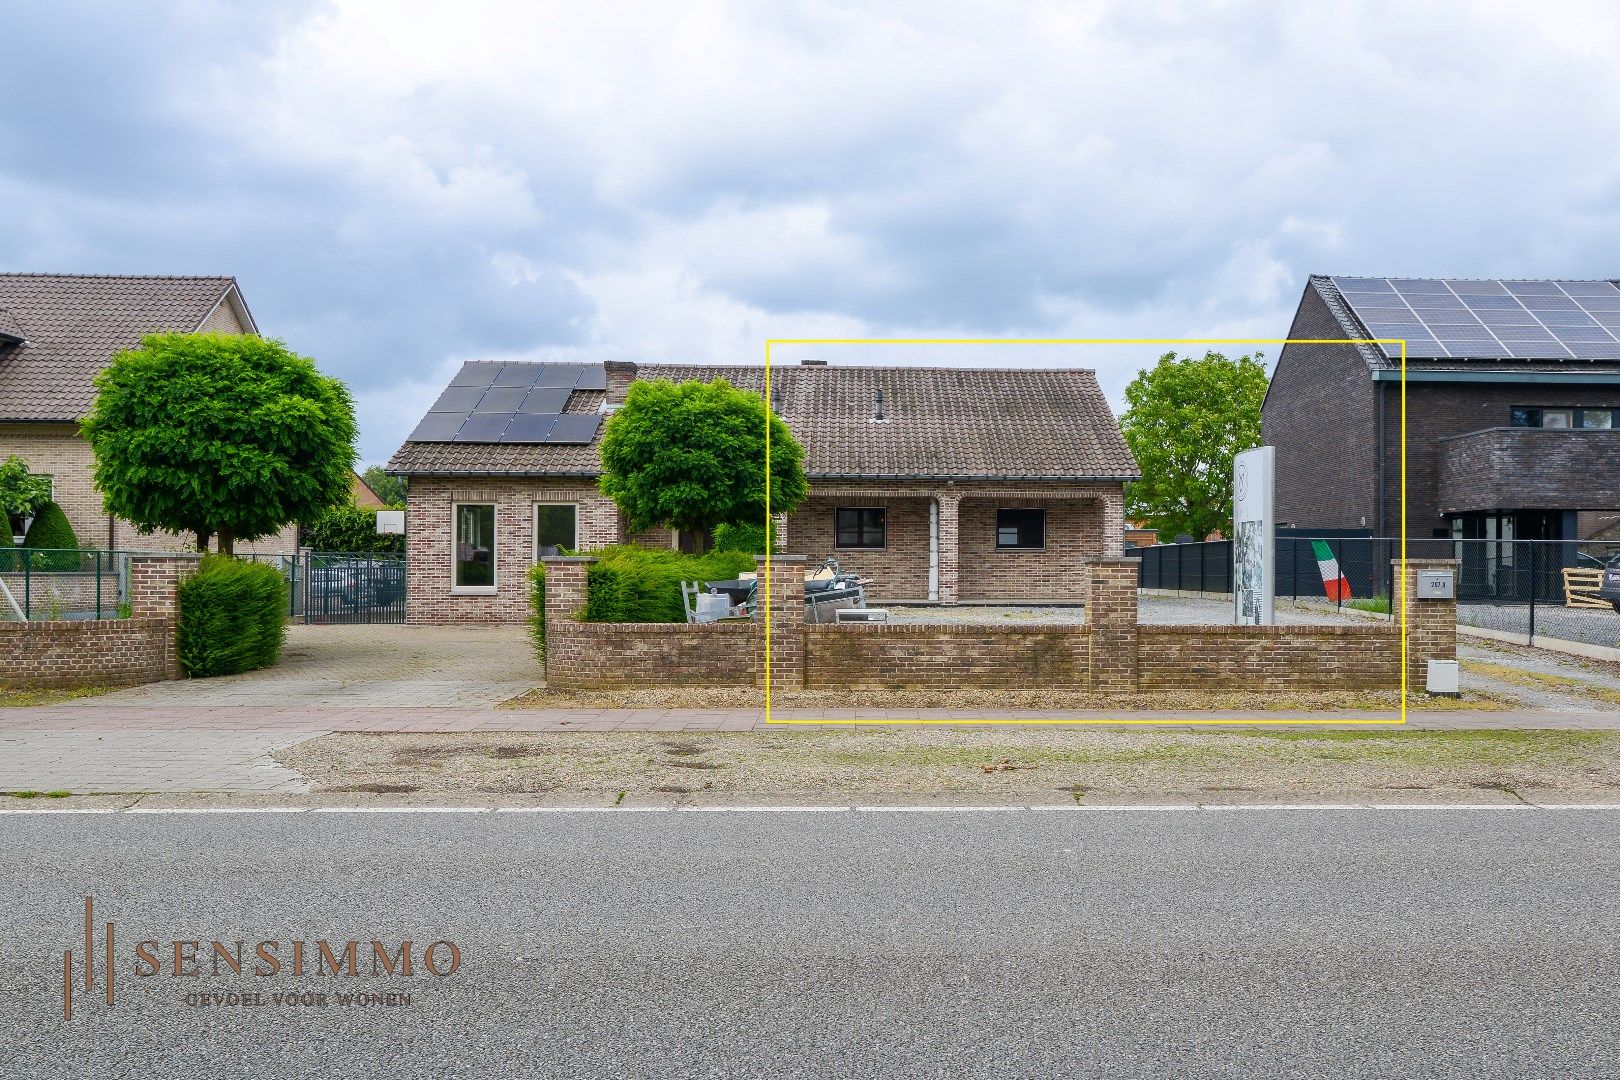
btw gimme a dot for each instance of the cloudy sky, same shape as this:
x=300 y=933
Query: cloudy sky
x=401 y=186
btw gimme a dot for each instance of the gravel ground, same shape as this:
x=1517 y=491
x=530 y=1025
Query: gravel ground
x=1591 y=626
x=1161 y=610
x=1021 y=765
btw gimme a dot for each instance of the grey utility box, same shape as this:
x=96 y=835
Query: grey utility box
x=1436 y=585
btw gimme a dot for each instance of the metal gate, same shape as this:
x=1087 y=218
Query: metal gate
x=349 y=587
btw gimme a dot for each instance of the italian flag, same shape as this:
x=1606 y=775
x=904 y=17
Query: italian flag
x=1334 y=583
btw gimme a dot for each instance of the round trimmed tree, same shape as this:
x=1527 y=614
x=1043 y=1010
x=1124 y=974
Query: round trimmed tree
x=219 y=434
x=691 y=456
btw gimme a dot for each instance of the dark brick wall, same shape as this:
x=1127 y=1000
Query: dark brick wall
x=1530 y=468
x=1321 y=415
x=1436 y=411
x=1269 y=658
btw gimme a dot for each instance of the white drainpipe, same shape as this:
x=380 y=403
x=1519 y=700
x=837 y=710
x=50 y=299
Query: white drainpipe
x=933 y=549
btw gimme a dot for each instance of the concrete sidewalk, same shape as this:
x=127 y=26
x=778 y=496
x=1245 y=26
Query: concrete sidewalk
x=311 y=721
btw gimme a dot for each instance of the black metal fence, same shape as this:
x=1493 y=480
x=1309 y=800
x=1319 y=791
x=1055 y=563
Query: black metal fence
x=1527 y=589
x=348 y=587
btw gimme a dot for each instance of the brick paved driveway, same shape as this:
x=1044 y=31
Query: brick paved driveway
x=379 y=666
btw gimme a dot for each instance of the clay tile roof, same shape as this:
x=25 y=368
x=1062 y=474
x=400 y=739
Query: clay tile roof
x=940 y=423
x=74 y=323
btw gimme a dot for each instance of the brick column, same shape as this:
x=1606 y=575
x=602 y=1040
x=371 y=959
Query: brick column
x=154 y=583
x=1111 y=613
x=1431 y=625
x=949 y=516
x=565 y=585
x=1113 y=524
x=565 y=597
x=786 y=602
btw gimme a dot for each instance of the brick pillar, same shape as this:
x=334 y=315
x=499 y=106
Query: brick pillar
x=1431 y=625
x=565 y=585
x=1113 y=524
x=154 y=583
x=1111 y=613
x=785 y=598
x=949 y=515
x=565 y=597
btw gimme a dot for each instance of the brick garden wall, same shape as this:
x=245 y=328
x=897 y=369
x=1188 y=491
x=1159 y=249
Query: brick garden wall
x=100 y=652
x=1111 y=652
x=875 y=656
x=1269 y=658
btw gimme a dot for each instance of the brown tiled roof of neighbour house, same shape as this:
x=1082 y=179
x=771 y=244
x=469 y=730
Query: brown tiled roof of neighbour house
x=1038 y=424
x=72 y=324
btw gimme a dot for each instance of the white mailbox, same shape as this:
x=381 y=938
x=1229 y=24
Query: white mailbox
x=1436 y=585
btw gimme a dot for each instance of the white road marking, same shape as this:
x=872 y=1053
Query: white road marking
x=1083 y=809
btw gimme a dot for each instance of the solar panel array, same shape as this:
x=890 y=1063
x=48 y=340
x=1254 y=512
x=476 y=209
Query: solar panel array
x=513 y=403
x=1489 y=319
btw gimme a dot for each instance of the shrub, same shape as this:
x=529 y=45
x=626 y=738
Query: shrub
x=349 y=528
x=642 y=585
x=537 y=617
x=51 y=529
x=232 y=617
x=749 y=539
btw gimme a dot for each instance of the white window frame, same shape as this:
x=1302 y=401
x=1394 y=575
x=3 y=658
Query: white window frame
x=494 y=551
x=535 y=523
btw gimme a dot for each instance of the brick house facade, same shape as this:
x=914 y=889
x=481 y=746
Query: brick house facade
x=56 y=332
x=941 y=485
x=1464 y=414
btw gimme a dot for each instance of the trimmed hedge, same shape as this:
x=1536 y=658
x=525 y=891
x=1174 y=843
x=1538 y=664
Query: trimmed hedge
x=537 y=617
x=51 y=529
x=630 y=584
x=232 y=617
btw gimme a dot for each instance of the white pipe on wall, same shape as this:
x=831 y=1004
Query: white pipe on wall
x=933 y=549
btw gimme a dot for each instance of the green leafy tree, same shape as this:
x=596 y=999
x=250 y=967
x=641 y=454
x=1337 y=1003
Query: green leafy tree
x=224 y=434
x=51 y=532
x=692 y=457
x=390 y=489
x=350 y=528
x=1187 y=418
x=21 y=492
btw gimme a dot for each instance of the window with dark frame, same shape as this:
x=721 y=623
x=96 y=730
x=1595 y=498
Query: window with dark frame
x=1543 y=417
x=860 y=527
x=1020 y=528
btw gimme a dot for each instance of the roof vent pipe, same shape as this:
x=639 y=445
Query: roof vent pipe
x=877 y=409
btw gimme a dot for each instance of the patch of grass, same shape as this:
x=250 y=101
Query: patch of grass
x=22 y=697
x=25 y=794
x=1541 y=680
x=1379 y=604
x=57 y=794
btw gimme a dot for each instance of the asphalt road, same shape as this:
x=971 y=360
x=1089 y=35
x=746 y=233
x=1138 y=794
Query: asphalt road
x=1139 y=943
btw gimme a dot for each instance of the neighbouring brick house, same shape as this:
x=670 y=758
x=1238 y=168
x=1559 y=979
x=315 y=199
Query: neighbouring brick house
x=56 y=332
x=1512 y=405
x=941 y=484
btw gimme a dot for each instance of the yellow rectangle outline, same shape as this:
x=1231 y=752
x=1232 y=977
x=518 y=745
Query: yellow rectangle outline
x=1248 y=722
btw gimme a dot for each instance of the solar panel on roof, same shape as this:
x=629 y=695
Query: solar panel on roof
x=559 y=375
x=483 y=427
x=519 y=375
x=458 y=399
x=501 y=399
x=1537 y=320
x=437 y=427
x=575 y=428
x=594 y=377
x=529 y=428
x=476 y=373
x=545 y=399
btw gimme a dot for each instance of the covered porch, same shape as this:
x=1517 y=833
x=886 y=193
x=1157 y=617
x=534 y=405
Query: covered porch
x=951 y=544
